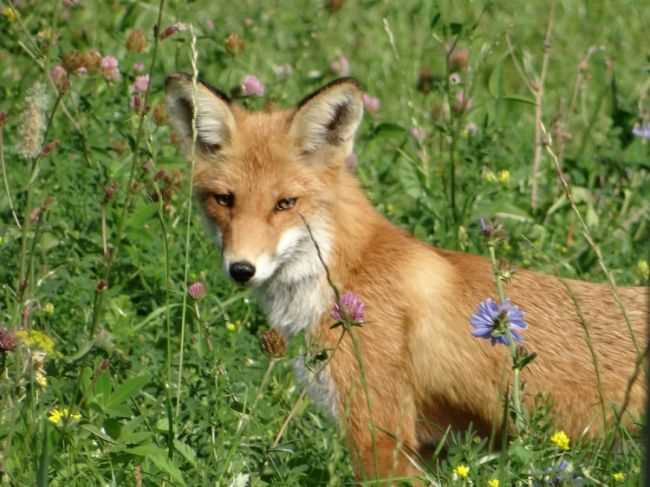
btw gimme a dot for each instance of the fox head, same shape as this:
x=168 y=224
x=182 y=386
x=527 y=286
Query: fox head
x=267 y=181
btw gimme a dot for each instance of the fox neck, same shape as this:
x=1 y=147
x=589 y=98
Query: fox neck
x=298 y=296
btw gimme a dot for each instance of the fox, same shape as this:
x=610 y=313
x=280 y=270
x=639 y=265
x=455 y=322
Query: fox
x=293 y=224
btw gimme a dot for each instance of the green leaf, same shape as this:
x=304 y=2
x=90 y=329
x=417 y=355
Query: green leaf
x=44 y=459
x=126 y=390
x=95 y=431
x=159 y=458
x=187 y=452
x=519 y=99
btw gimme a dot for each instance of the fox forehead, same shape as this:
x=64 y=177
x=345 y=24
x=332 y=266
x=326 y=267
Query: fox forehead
x=261 y=156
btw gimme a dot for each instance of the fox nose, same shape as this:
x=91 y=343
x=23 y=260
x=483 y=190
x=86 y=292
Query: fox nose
x=242 y=271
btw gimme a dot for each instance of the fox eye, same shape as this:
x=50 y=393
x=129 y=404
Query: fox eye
x=285 y=204
x=227 y=199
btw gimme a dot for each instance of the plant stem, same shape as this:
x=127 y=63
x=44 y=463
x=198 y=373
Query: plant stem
x=516 y=371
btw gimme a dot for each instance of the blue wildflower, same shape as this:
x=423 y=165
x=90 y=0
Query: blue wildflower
x=643 y=131
x=492 y=320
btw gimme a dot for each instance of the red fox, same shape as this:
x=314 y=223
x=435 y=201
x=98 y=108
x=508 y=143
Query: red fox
x=285 y=210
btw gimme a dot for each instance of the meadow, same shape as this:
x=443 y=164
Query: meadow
x=127 y=358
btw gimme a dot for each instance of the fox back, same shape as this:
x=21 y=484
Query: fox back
x=291 y=221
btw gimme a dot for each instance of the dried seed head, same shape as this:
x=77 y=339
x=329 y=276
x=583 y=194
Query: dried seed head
x=8 y=340
x=32 y=128
x=136 y=42
x=235 y=44
x=335 y=5
x=92 y=59
x=273 y=344
x=425 y=80
x=159 y=114
x=458 y=59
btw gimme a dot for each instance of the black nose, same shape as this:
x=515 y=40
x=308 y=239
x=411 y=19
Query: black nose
x=242 y=271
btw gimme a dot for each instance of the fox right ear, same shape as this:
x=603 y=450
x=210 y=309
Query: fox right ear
x=215 y=123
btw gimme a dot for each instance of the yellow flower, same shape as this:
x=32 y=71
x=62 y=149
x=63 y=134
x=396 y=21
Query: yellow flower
x=561 y=440
x=462 y=471
x=48 y=309
x=36 y=339
x=57 y=415
x=504 y=176
x=618 y=477
x=643 y=269
x=9 y=13
x=232 y=327
x=493 y=483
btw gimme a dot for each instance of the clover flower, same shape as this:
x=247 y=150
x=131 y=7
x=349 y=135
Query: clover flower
x=141 y=83
x=59 y=76
x=110 y=68
x=492 y=320
x=252 y=86
x=197 y=290
x=340 y=65
x=561 y=440
x=350 y=306
x=371 y=103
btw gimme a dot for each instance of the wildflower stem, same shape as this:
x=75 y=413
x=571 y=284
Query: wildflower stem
x=587 y=234
x=516 y=371
x=188 y=233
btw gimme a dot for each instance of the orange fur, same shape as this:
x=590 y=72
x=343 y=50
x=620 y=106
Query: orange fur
x=423 y=370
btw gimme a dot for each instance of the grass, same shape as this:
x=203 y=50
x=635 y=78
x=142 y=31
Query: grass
x=98 y=247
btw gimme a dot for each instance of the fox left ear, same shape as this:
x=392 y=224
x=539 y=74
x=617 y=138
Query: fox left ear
x=328 y=118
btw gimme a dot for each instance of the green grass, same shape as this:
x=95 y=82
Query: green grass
x=117 y=350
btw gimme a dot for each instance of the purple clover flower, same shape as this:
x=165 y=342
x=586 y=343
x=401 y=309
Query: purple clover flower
x=252 y=86
x=492 y=320
x=349 y=306
x=642 y=131
x=371 y=103
x=197 y=290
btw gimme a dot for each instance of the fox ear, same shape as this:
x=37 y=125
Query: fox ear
x=328 y=118
x=215 y=123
